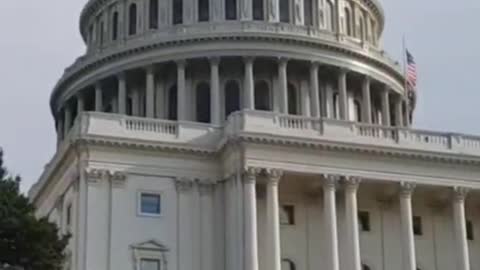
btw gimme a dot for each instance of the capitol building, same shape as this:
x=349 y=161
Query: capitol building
x=251 y=135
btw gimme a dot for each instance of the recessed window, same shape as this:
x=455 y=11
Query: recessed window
x=470 y=233
x=231 y=9
x=287 y=215
x=258 y=10
x=150 y=204
x=149 y=264
x=203 y=10
x=177 y=11
x=153 y=16
x=115 y=26
x=417 y=225
x=284 y=11
x=364 y=221
x=132 y=19
x=69 y=215
x=365 y=267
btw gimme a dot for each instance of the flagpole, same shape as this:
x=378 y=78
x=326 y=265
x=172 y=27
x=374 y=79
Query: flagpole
x=405 y=82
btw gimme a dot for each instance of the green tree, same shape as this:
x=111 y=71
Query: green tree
x=25 y=241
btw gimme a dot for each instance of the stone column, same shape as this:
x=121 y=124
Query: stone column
x=150 y=92
x=181 y=91
x=98 y=97
x=314 y=91
x=207 y=218
x=67 y=118
x=367 y=101
x=122 y=93
x=215 y=99
x=342 y=94
x=283 y=84
x=351 y=219
x=386 y=106
x=273 y=10
x=250 y=222
x=410 y=261
x=80 y=104
x=246 y=10
x=249 y=96
x=273 y=220
x=460 y=228
x=406 y=116
x=184 y=188
x=135 y=101
x=330 y=220
x=398 y=112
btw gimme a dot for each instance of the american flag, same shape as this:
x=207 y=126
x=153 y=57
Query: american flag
x=411 y=71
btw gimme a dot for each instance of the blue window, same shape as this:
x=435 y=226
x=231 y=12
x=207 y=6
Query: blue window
x=150 y=204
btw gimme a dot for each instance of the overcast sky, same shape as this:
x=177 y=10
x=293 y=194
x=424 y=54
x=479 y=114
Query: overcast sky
x=38 y=39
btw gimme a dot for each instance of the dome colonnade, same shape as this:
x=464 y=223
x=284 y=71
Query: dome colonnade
x=207 y=90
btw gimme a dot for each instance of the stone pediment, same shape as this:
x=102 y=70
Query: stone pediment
x=152 y=245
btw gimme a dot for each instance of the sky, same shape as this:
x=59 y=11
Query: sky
x=38 y=39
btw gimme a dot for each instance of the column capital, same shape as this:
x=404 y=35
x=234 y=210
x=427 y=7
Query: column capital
x=330 y=180
x=249 y=59
x=150 y=68
x=343 y=71
x=181 y=63
x=314 y=64
x=205 y=186
x=406 y=189
x=214 y=60
x=460 y=193
x=183 y=184
x=352 y=183
x=282 y=60
x=121 y=75
x=251 y=174
x=274 y=176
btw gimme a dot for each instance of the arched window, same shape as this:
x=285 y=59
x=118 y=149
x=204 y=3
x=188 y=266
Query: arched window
x=102 y=30
x=288 y=264
x=365 y=267
x=203 y=10
x=203 y=102
x=172 y=103
x=330 y=16
x=348 y=21
x=231 y=9
x=132 y=19
x=177 y=11
x=115 y=26
x=232 y=97
x=258 y=10
x=293 y=100
x=262 y=96
x=357 y=111
x=284 y=11
x=153 y=16
x=308 y=12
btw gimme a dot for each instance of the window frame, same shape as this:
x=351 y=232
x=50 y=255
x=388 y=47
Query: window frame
x=145 y=258
x=361 y=215
x=140 y=193
x=418 y=232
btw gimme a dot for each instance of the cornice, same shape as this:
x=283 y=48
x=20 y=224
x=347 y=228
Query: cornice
x=92 y=62
x=410 y=154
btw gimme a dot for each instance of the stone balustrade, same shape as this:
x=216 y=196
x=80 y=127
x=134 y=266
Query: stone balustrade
x=260 y=123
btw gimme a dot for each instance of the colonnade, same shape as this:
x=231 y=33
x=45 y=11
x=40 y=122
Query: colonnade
x=349 y=186
x=316 y=104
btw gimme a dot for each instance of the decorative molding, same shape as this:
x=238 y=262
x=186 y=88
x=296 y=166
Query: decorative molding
x=406 y=189
x=352 y=183
x=151 y=249
x=330 y=181
x=97 y=176
x=205 y=186
x=460 y=193
x=183 y=184
x=251 y=174
x=274 y=176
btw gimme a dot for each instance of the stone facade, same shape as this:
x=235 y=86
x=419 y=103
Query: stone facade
x=247 y=135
